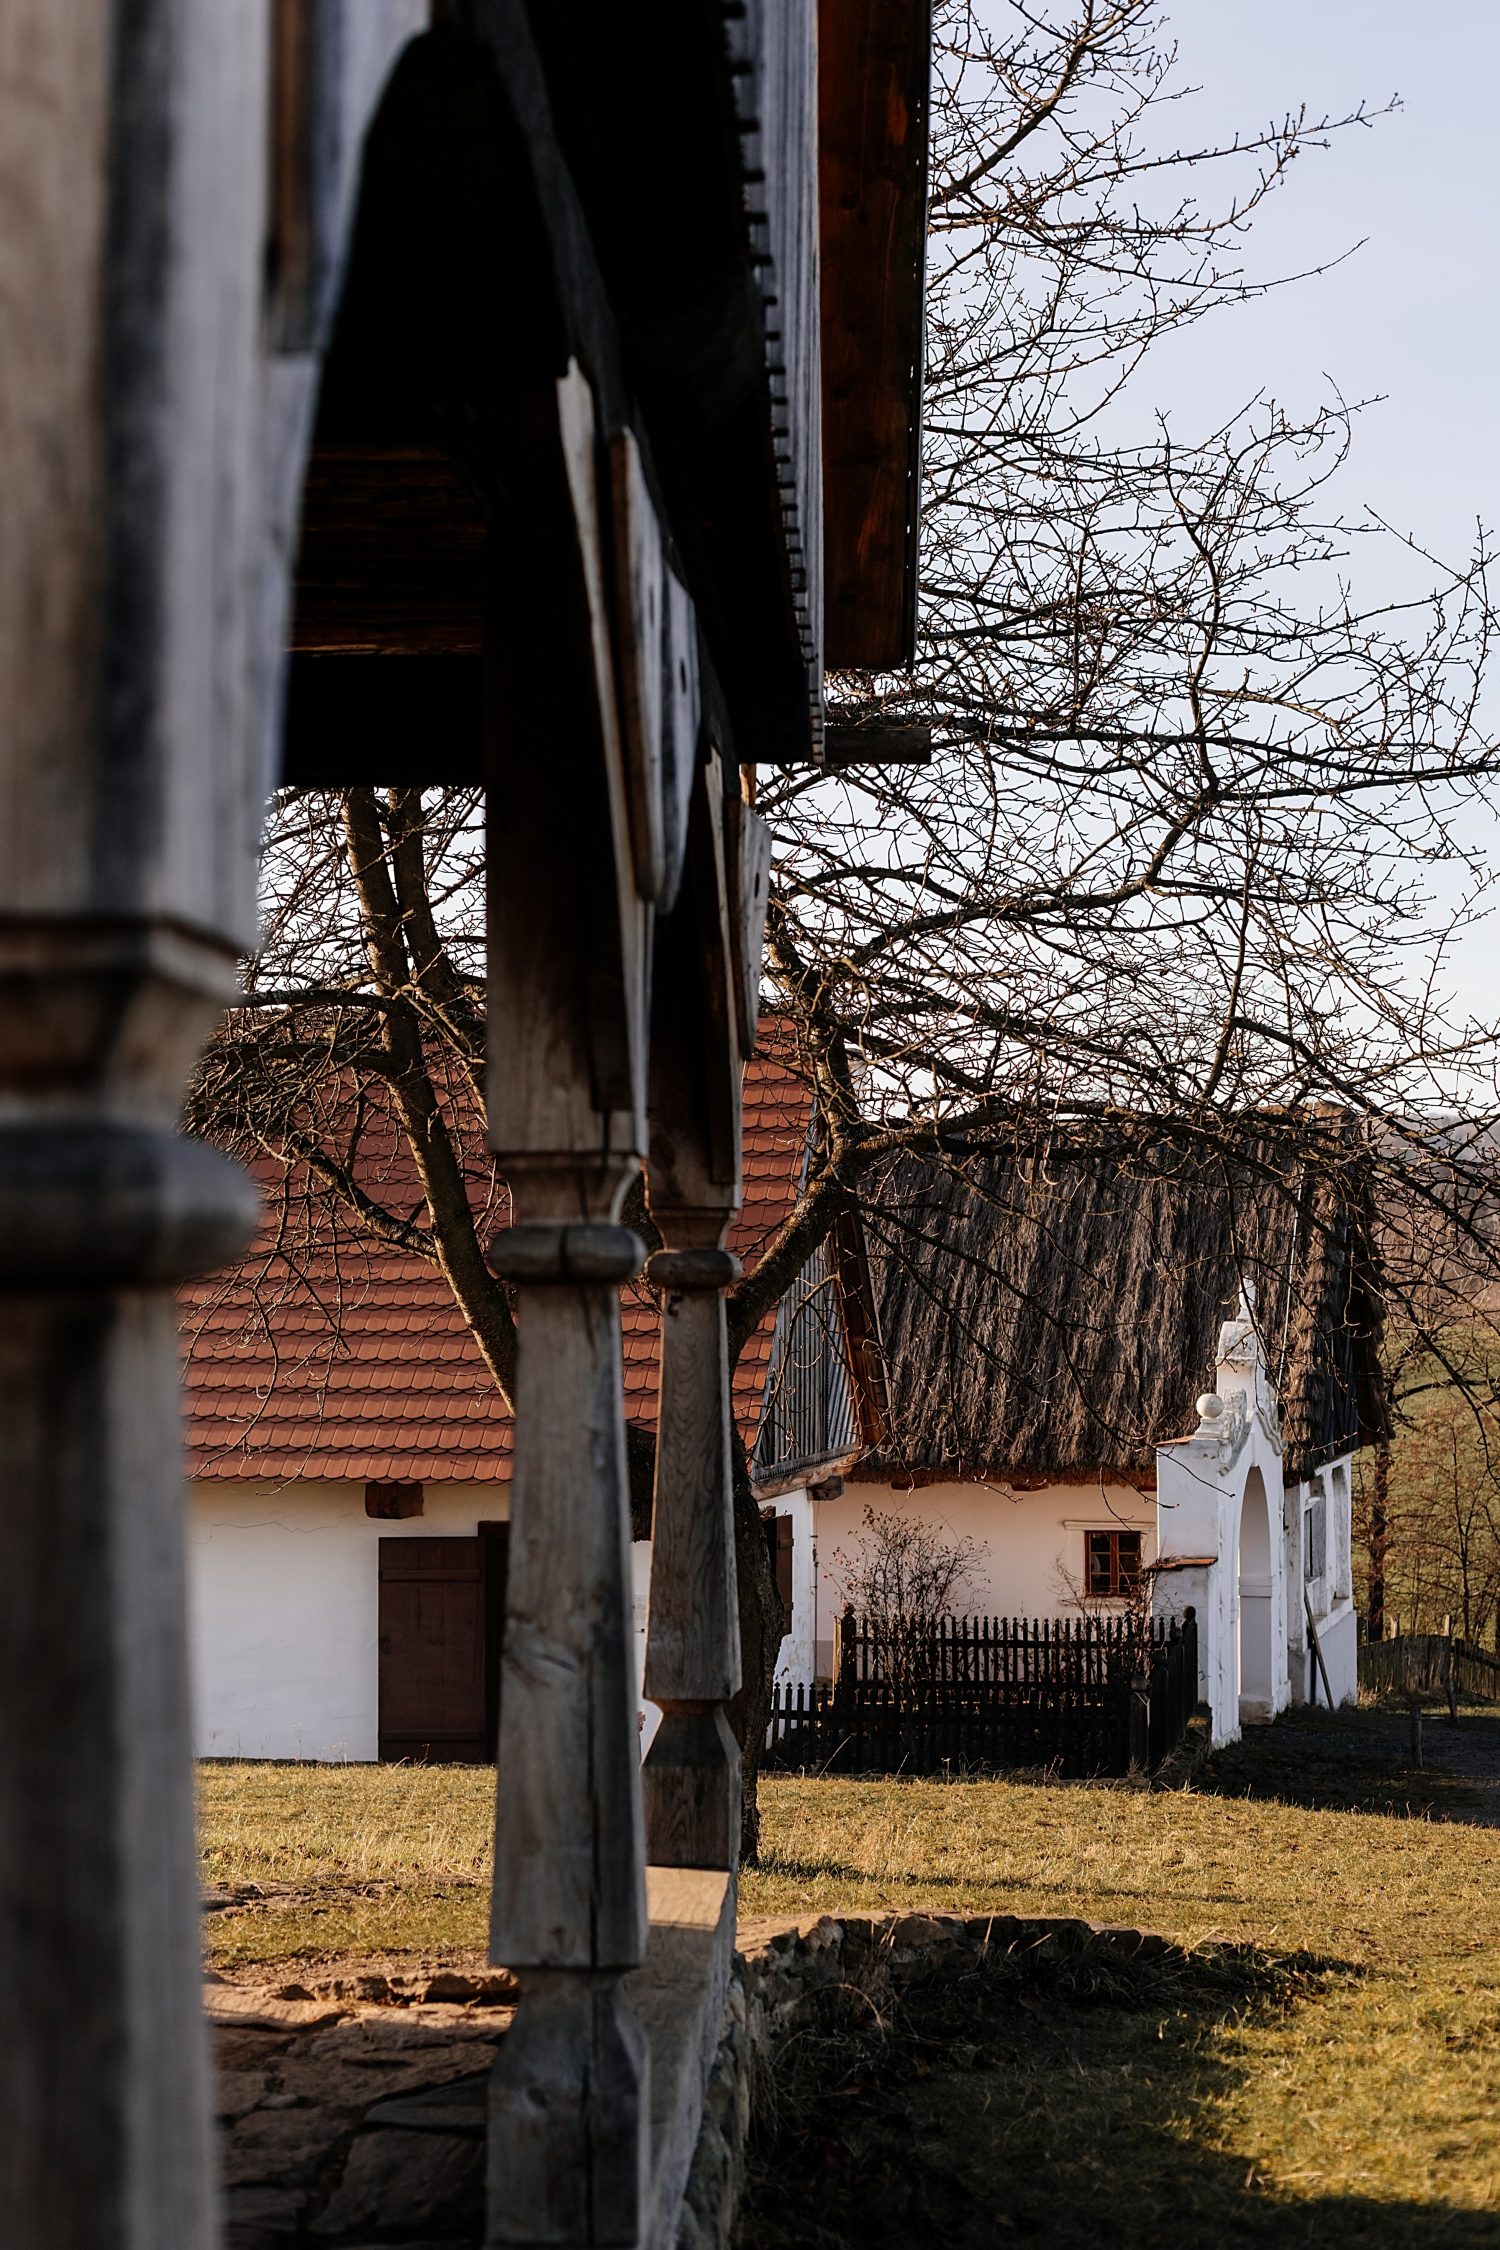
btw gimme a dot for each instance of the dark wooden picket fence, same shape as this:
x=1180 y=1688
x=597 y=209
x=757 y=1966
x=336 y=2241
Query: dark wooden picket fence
x=1418 y=1664
x=1081 y=1696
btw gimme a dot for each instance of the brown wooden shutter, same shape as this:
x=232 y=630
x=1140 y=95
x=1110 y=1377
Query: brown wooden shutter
x=433 y=1651
x=779 y=1544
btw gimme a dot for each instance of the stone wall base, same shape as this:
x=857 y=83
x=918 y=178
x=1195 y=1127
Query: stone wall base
x=780 y=1966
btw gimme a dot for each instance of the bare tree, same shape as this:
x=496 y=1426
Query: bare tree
x=1170 y=858
x=903 y=1574
x=1430 y=1527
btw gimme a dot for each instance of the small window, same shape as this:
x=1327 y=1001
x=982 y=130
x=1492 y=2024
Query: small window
x=1315 y=1539
x=1112 y=1563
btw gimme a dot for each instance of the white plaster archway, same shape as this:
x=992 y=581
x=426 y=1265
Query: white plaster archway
x=1255 y=1589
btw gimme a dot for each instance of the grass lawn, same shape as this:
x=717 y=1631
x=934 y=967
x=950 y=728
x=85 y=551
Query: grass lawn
x=1335 y=2079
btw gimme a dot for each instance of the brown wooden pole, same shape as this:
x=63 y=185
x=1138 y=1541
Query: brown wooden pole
x=568 y=940
x=134 y=715
x=691 y=1777
x=567 y=2140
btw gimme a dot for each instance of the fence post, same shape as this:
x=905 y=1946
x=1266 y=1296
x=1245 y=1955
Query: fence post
x=1190 y=1657
x=1140 y=1725
x=843 y=1646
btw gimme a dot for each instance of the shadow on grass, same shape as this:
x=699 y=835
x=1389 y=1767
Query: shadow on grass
x=791 y=1868
x=1049 y=2102
x=1360 y=1761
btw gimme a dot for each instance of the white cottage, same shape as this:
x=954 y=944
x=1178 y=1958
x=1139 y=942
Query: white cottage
x=350 y=1473
x=1044 y=1329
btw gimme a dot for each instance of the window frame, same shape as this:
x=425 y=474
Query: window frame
x=1124 y=1573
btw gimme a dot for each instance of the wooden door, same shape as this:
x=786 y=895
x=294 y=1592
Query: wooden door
x=432 y=1650
x=442 y=1612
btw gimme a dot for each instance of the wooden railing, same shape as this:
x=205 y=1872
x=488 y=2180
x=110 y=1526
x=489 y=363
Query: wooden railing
x=1417 y=1664
x=1086 y=1696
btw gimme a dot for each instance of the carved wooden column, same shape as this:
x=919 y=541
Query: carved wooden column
x=706 y=974
x=692 y=1770
x=568 y=2143
x=130 y=722
x=568 y=938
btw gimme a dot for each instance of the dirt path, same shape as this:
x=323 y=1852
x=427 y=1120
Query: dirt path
x=1468 y=1753
x=1362 y=1761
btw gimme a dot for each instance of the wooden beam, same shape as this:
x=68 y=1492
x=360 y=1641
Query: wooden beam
x=134 y=454
x=874 y=64
x=383 y=722
x=568 y=2099
x=305 y=206
x=874 y=743
x=657 y=639
x=391 y=554
x=691 y=1778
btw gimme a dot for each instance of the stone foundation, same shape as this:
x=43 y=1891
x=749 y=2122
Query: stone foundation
x=782 y=1965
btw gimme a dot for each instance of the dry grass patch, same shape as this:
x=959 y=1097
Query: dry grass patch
x=1355 y=2098
x=303 y=1861
x=1365 y=2107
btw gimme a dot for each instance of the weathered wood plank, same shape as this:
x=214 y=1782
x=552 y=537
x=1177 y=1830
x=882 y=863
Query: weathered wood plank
x=131 y=171
x=391 y=555
x=640 y=599
x=568 y=1868
x=711 y=318
x=691 y=1776
x=679 y=1992
x=748 y=927
x=876 y=743
x=55 y=63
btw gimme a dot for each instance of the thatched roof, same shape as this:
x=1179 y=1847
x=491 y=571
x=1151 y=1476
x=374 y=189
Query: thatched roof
x=1057 y=1313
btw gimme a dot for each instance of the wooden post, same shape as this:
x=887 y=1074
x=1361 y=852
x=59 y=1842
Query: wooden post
x=135 y=714
x=1140 y=1725
x=568 y=937
x=692 y=1771
x=845 y=1628
x=702 y=1028
x=568 y=2109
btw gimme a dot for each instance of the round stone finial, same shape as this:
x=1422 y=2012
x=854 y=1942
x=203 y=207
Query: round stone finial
x=1210 y=1407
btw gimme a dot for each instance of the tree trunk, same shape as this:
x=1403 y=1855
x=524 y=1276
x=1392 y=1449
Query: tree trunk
x=762 y=1625
x=1379 y=1538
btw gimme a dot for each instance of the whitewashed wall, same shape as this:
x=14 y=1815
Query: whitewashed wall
x=284 y=1592
x=1330 y=1596
x=1031 y=1544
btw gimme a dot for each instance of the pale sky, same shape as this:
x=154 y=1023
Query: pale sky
x=1415 y=314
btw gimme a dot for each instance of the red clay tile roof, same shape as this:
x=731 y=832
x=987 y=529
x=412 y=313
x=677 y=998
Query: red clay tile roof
x=327 y=1354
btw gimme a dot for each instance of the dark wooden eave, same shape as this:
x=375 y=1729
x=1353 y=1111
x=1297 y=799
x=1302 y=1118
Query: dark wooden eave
x=587 y=183
x=657 y=111
x=874 y=63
